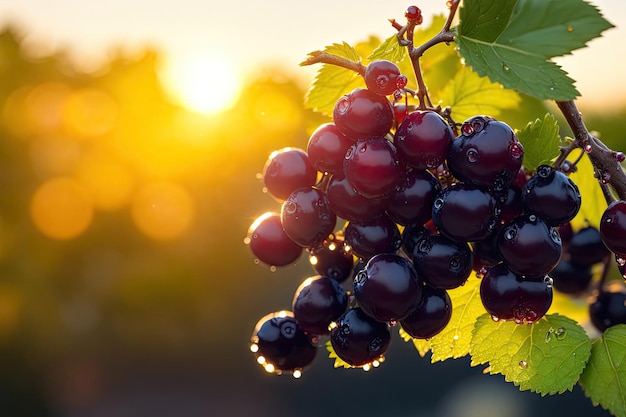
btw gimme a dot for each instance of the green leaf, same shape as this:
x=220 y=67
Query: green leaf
x=390 y=50
x=541 y=141
x=546 y=357
x=339 y=363
x=593 y=203
x=604 y=378
x=454 y=340
x=512 y=42
x=421 y=345
x=332 y=82
x=466 y=92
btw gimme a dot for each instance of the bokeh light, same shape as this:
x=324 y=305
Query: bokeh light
x=163 y=210
x=61 y=208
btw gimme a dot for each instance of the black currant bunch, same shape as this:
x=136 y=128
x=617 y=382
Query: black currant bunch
x=419 y=208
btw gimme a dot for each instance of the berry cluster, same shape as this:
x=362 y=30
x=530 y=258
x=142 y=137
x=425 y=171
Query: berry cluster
x=421 y=202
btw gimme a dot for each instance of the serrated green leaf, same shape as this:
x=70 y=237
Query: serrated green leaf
x=421 y=345
x=338 y=363
x=604 y=378
x=454 y=340
x=593 y=203
x=541 y=141
x=512 y=42
x=332 y=82
x=466 y=92
x=546 y=357
x=389 y=50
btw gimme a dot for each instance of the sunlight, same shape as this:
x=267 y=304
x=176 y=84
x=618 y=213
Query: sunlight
x=207 y=84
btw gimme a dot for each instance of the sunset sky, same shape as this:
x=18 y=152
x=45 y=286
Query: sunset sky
x=241 y=36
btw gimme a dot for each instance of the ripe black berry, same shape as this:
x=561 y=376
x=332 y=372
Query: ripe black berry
x=442 y=262
x=306 y=217
x=317 y=302
x=269 y=242
x=432 y=315
x=609 y=308
x=423 y=139
x=363 y=114
x=551 y=195
x=287 y=170
x=381 y=76
x=613 y=227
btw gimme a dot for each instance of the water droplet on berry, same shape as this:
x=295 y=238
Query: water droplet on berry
x=254 y=348
x=532 y=218
x=297 y=373
x=290 y=207
x=438 y=203
x=548 y=281
x=360 y=277
x=523 y=364
x=454 y=264
x=620 y=261
x=382 y=81
x=510 y=233
x=343 y=105
x=495 y=318
x=425 y=245
x=288 y=329
x=472 y=155
x=516 y=150
x=401 y=81
x=467 y=129
x=544 y=171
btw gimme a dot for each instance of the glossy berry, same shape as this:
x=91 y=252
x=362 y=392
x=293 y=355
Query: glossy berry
x=529 y=246
x=350 y=205
x=551 y=195
x=306 y=217
x=279 y=343
x=613 y=227
x=370 y=238
x=586 y=247
x=442 y=262
x=388 y=288
x=358 y=339
x=487 y=153
x=381 y=77
x=486 y=251
x=412 y=201
x=423 y=139
x=332 y=258
x=570 y=278
x=286 y=170
x=414 y=13
x=269 y=242
x=465 y=212
x=373 y=167
x=363 y=114
x=327 y=147
x=510 y=204
x=318 y=301
x=609 y=308
x=411 y=236
x=432 y=315
x=507 y=296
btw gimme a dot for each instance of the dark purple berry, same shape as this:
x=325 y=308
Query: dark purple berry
x=507 y=296
x=413 y=199
x=570 y=278
x=529 y=246
x=358 y=339
x=613 y=227
x=306 y=217
x=363 y=114
x=373 y=167
x=279 y=344
x=350 y=205
x=432 y=315
x=377 y=236
x=442 y=262
x=286 y=170
x=381 y=77
x=411 y=236
x=423 y=139
x=609 y=308
x=332 y=258
x=487 y=153
x=586 y=247
x=465 y=212
x=318 y=301
x=388 y=288
x=327 y=148
x=269 y=242
x=551 y=195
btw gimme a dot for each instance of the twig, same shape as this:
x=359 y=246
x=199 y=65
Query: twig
x=321 y=57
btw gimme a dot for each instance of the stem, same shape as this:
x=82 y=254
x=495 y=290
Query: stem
x=601 y=157
x=321 y=57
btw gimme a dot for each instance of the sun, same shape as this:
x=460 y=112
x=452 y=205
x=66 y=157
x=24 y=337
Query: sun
x=203 y=84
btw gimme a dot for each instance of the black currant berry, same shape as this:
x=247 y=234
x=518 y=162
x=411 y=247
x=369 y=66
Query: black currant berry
x=412 y=201
x=318 y=301
x=306 y=217
x=286 y=170
x=327 y=147
x=377 y=236
x=432 y=315
x=332 y=258
x=279 y=344
x=358 y=339
x=269 y=242
x=388 y=288
x=381 y=76
x=423 y=139
x=508 y=296
x=363 y=114
x=350 y=205
x=609 y=308
x=487 y=153
x=613 y=227
x=441 y=262
x=551 y=195
x=586 y=247
x=570 y=278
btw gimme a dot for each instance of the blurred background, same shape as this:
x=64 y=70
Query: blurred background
x=131 y=136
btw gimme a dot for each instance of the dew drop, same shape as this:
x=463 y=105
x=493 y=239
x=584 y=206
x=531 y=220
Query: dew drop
x=472 y=155
x=392 y=323
x=367 y=367
x=247 y=240
x=376 y=344
x=349 y=153
x=273 y=268
x=548 y=281
x=560 y=333
x=510 y=234
x=297 y=373
x=588 y=148
x=438 y=203
x=495 y=318
x=523 y=364
x=620 y=261
x=570 y=28
x=516 y=150
x=360 y=278
x=260 y=360
x=467 y=129
x=290 y=207
x=254 y=348
x=532 y=218
x=620 y=156
x=506 y=67
x=343 y=105
x=455 y=337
